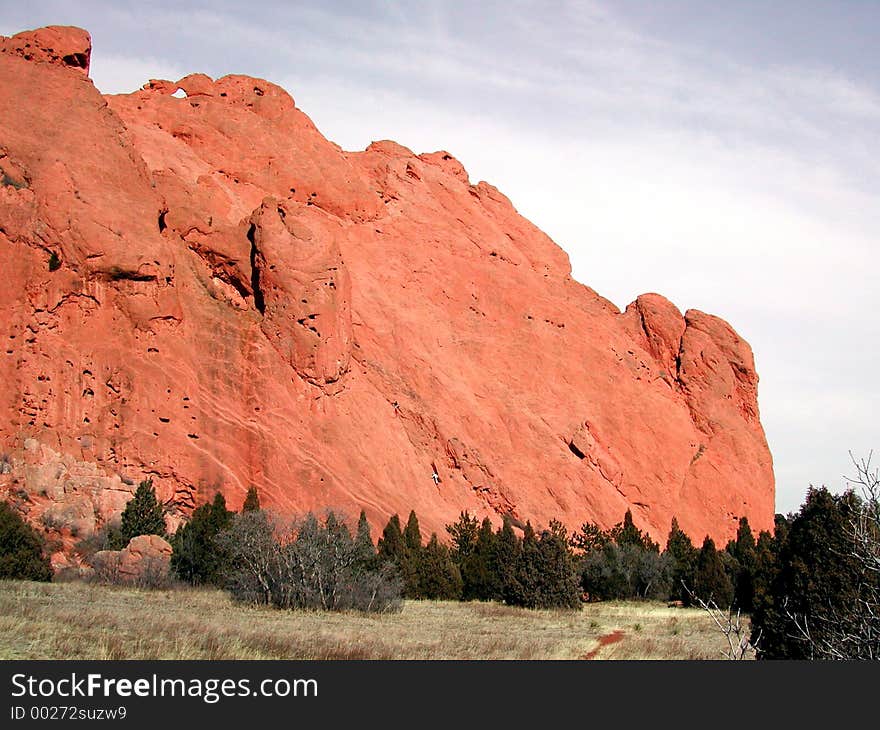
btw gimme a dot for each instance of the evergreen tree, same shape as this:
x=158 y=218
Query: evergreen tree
x=590 y=537
x=196 y=557
x=744 y=551
x=391 y=547
x=412 y=535
x=527 y=585
x=480 y=582
x=400 y=548
x=473 y=544
x=439 y=576
x=410 y=568
x=683 y=555
x=817 y=579
x=711 y=582
x=21 y=549
x=251 y=500
x=505 y=558
x=765 y=568
x=558 y=584
x=221 y=516
x=143 y=515
x=363 y=542
x=626 y=533
x=464 y=536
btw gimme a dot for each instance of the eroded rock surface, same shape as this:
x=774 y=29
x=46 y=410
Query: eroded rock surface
x=204 y=291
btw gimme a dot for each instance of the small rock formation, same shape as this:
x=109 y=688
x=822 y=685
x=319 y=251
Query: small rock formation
x=145 y=560
x=208 y=293
x=57 y=44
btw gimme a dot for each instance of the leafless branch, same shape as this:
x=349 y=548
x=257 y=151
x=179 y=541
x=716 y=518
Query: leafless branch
x=731 y=626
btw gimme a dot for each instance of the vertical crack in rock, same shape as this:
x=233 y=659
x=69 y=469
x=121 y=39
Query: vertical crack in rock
x=259 y=300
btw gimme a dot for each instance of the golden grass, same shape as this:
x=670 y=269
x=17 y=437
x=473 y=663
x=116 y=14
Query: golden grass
x=80 y=621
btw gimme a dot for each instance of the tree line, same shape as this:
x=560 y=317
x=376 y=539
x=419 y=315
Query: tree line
x=811 y=587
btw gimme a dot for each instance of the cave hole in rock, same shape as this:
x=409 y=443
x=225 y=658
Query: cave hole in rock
x=576 y=451
x=259 y=301
x=162 y=224
x=76 y=60
x=179 y=94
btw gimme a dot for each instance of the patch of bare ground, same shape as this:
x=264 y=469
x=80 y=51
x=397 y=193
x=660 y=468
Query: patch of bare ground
x=80 y=621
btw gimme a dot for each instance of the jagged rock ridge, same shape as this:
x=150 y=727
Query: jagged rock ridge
x=207 y=292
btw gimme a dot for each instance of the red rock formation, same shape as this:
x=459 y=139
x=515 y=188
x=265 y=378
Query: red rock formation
x=146 y=559
x=205 y=291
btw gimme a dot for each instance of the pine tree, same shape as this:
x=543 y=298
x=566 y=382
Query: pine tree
x=589 y=538
x=558 y=580
x=410 y=568
x=391 y=547
x=398 y=547
x=480 y=582
x=143 y=515
x=527 y=571
x=817 y=579
x=412 y=535
x=196 y=557
x=745 y=552
x=505 y=558
x=473 y=544
x=464 y=536
x=711 y=582
x=251 y=500
x=21 y=549
x=363 y=541
x=626 y=533
x=766 y=567
x=439 y=576
x=684 y=561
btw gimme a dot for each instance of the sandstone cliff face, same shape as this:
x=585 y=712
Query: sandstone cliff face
x=205 y=291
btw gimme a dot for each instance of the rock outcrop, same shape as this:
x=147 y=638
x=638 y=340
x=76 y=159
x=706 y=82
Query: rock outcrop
x=146 y=561
x=204 y=291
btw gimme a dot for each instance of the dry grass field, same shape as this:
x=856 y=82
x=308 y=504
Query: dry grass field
x=80 y=621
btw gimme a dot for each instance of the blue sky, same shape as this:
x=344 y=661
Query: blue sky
x=722 y=154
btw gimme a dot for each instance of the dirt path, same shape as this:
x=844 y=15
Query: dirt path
x=604 y=641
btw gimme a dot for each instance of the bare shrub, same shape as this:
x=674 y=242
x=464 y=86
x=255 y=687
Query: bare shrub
x=740 y=644
x=152 y=574
x=105 y=564
x=306 y=564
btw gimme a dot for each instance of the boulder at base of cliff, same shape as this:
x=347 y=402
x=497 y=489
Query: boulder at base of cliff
x=145 y=561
